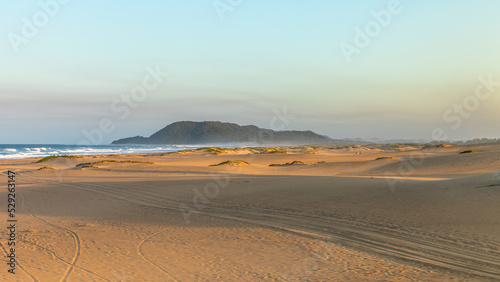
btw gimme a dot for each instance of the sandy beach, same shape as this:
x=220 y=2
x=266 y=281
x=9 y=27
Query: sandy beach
x=285 y=214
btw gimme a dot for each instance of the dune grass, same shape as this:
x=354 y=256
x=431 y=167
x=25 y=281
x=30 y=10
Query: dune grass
x=45 y=167
x=132 y=162
x=266 y=150
x=289 y=164
x=218 y=150
x=213 y=150
x=385 y=158
x=237 y=162
x=81 y=165
x=87 y=166
x=468 y=152
x=53 y=157
x=276 y=151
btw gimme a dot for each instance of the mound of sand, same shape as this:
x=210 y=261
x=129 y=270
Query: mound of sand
x=289 y=164
x=232 y=163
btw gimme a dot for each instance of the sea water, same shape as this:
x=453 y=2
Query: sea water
x=19 y=151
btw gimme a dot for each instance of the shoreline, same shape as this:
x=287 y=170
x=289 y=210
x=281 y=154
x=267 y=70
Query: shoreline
x=159 y=150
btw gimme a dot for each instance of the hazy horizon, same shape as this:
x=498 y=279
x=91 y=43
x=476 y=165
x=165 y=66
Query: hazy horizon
x=85 y=140
x=387 y=69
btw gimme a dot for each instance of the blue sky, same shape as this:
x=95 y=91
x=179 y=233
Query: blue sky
x=259 y=58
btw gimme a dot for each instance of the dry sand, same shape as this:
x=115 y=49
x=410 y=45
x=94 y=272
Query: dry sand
x=415 y=215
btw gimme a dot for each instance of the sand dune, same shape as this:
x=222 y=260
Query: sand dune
x=343 y=215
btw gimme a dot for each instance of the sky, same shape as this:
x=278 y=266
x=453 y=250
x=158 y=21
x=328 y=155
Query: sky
x=95 y=71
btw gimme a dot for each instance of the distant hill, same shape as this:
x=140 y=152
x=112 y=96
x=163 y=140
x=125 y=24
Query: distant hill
x=216 y=132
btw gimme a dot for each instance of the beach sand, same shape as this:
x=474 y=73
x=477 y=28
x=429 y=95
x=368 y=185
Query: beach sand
x=336 y=214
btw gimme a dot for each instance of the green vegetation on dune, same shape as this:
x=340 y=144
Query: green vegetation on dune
x=81 y=165
x=134 y=162
x=276 y=151
x=266 y=150
x=289 y=164
x=213 y=150
x=468 y=151
x=45 y=167
x=86 y=166
x=237 y=162
x=53 y=157
x=385 y=158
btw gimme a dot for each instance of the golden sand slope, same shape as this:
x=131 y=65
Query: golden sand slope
x=347 y=214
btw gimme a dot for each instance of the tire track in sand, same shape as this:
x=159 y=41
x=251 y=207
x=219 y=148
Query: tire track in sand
x=139 y=251
x=98 y=190
x=19 y=265
x=55 y=256
x=382 y=240
x=72 y=264
x=73 y=234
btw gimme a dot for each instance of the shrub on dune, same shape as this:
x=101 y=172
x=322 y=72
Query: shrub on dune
x=385 y=158
x=234 y=163
x=289 y=164
x=53 y=157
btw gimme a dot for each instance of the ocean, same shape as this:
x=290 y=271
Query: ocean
x=21 y=151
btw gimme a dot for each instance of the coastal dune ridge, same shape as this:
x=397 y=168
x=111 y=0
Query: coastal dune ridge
x=315 y=212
